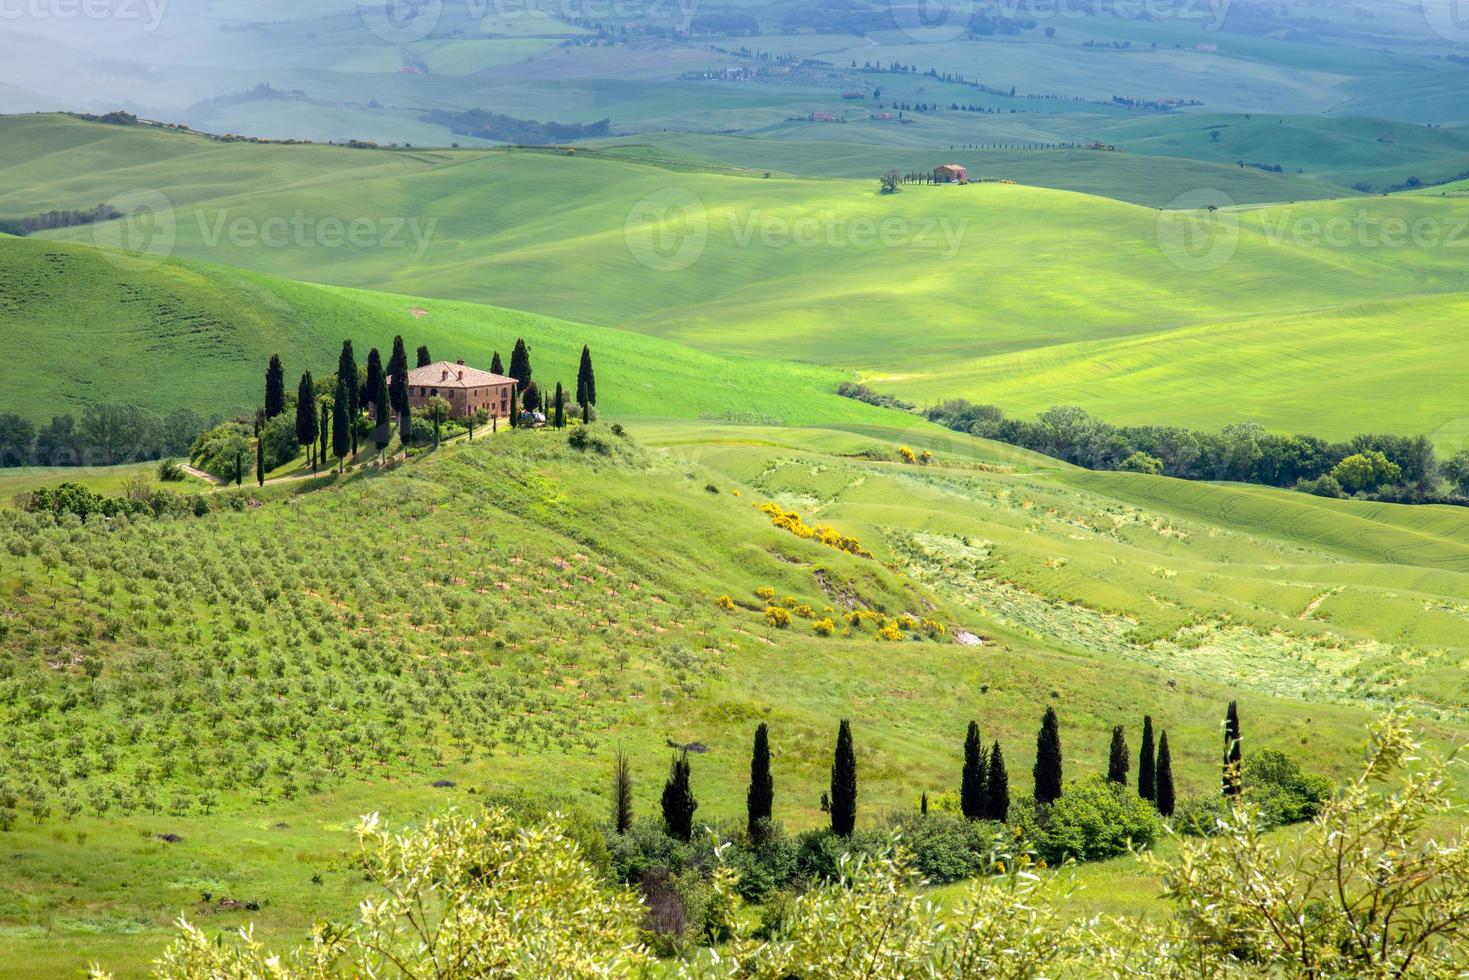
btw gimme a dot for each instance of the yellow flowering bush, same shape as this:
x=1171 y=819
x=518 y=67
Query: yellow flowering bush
x=889 y=632
x=824 y=627
x=726 y=603
x=765 y=592
x=778 y=617
x=909 y=456
x=789 y=520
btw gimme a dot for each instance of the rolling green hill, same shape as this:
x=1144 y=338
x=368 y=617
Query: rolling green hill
x=496 y=615
x=963 y=284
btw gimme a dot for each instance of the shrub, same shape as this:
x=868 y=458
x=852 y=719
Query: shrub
x=169 y=471
x=765 y=592
x=778 y=617
x=726 y=603
x=824 y=627
x=1284 y=794
x=909 y=456
x=889 y=632
x=1093 y=819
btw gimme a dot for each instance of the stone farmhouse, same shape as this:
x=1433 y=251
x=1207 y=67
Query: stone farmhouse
x=466 y=389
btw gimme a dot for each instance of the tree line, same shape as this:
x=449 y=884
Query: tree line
x=1400 y=469
x=106 y=435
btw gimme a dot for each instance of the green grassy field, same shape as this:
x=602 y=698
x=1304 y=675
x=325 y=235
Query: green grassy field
x=1000 y=277
x=513 y=577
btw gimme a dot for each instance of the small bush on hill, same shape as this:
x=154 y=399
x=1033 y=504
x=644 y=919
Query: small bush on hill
x=1093 y=819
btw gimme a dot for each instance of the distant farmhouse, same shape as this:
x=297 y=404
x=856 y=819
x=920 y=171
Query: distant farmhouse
x=466 y=389
x=950 y=173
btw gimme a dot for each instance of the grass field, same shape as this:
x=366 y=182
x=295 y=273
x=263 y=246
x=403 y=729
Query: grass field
x=513 y=575
x=1027 y=296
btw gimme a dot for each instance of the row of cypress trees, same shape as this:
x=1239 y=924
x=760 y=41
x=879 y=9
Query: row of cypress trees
x=984 y=786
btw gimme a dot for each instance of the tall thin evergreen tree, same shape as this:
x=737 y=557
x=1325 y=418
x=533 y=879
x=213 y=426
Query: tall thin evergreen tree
x=621 y=792
x=760 y=797
x=1047 y=769
x=341 y=437
x=997 y=794
x=1165 y=799
x=1233 y=753
x=974 y=780
x=275 y=387
x=323 y=431
x=398 y=370
x=382 y=406
x=678 y=800
x=424 y=358
x=559 y=418
x=1117 y=762
x=374 y=375
x=520 y=368
x=844 y=783
x=306 y=416
x=586 y=383
x=350 y=383
x=497 y=366
x=1147 y=767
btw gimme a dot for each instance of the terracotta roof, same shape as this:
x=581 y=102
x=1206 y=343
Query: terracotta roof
x=448 y=374
x=951 y=166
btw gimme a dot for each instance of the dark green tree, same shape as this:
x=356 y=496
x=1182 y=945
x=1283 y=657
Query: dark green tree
x=997 y=794
x=532 y=397
x=275 y=387
x=374 y=375
x=341 y=421
x=306 y=416
x=349 y=382
x=324 y=430
x=975 y=779
x=1147 y=766
x=520 y=364
x=1233 y=754
x=1047 y=770
x=1165 y=799
x=515 y=411
x=678 y=800
x=382 y=406
x=497 y=366
x=923 y=804
x=621 y=792
x=844 y=783
x=586 y=383
x=398 y=371
x=1117 y=763
x=760 y=797
x=424 y=360
x=559 y=419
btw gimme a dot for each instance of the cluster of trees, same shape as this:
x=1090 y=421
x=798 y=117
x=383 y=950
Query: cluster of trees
x=507 y=129
x=1365 y=892
x=1404 y=469
x=106 y=435
x=57 y=219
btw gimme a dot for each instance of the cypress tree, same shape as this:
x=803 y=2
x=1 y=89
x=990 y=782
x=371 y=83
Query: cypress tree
x=515 y=411
x=844 y=783
x=621 y=792
x=520 y=364
x=560 y=418
x=424 y=360
x=398 y=369
x=324 y=430
x=997 y=794
x=678 y=800
x=586 y=382
x=760 y=798
x=349 y=384
x=923 y=804
x=306 y=414
x=532 y=397
x=382 y=404
x=1047 y=770
x=374 y=375
x=275 y=387
x=975 y=780
x=1232 y=751
x=1165 y=799
x=496 y=365
x=341 y=438
x=1147 y=786
x=1117 y=763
